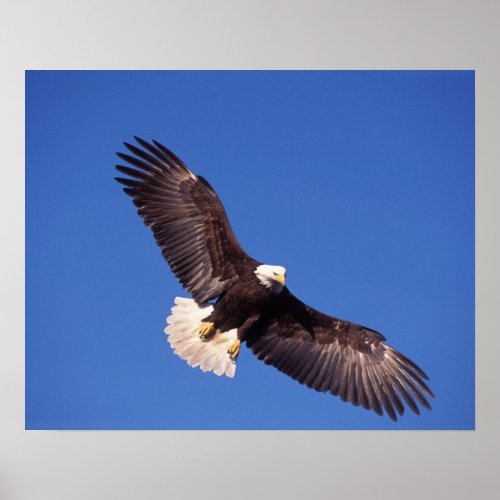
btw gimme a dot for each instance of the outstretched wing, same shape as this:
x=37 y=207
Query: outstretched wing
x=188 y=220
x=336 y=356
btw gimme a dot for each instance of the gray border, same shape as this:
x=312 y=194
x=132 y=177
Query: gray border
x=272 y=34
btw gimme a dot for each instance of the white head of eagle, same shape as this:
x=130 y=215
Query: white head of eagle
x=272 y=277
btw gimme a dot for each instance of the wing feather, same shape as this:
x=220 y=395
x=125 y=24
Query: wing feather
x=336 y=356
x=187 y=218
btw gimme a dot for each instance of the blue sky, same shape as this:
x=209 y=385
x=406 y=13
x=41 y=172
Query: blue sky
x=360 y=183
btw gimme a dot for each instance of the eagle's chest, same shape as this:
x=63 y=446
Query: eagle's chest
x=245 y=299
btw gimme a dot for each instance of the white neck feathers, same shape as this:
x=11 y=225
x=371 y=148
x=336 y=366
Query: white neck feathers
x=272 y=277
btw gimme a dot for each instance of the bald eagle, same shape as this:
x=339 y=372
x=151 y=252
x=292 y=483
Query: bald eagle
x=237 y=299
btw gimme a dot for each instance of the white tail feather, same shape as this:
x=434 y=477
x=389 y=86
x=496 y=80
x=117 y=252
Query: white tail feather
x=183 y=336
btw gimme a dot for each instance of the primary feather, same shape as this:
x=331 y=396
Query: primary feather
x=187 y=219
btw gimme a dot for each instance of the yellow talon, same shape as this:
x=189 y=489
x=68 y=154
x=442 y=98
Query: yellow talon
x=234 y=350
x=206 y=330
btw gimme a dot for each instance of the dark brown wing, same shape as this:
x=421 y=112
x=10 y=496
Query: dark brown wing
x=336 y=356
x=187 y=218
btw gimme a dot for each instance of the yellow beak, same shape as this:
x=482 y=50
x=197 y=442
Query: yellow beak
x=280 y=278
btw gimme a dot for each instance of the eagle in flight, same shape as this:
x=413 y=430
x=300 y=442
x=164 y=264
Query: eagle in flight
x=237 y=299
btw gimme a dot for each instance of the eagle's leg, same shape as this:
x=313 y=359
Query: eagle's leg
x=234 y=350
x=206 y=330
